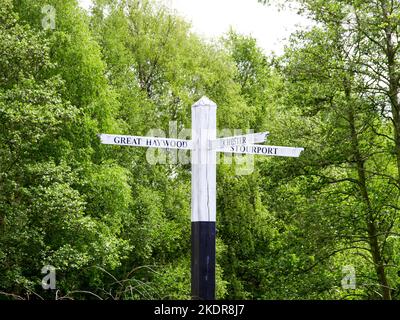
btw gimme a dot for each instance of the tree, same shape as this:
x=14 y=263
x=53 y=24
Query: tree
x=46 y=168
x=328 y=78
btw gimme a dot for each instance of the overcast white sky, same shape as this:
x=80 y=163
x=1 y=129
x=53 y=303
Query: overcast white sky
x=213 y=18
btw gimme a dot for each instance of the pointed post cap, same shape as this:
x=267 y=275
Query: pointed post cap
x=204 y=101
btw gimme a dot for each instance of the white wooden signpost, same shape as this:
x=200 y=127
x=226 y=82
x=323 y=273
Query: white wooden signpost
x=204 y=146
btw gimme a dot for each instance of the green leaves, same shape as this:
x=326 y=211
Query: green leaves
x=111 y=223
x=25 y=54
x=335 y=80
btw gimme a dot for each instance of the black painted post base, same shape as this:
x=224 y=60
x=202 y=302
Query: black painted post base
x=203 y=260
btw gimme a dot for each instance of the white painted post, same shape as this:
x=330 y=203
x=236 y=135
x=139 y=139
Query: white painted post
x=204 y=124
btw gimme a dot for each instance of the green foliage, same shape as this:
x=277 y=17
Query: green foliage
x=116 y=227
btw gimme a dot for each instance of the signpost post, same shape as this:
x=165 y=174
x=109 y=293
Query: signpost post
x=204 y=130
x=204 y=146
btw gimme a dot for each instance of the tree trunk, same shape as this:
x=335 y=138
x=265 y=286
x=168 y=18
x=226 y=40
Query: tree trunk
x=394 y=85
x=370 y=220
